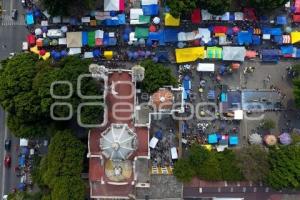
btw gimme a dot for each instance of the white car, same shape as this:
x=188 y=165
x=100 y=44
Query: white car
x=5 y=197
x=55 y=33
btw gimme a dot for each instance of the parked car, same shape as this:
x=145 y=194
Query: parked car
x=14 y=14
x=7 y=144
x=7 y=161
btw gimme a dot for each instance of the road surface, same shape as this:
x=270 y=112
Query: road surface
x=12 y=33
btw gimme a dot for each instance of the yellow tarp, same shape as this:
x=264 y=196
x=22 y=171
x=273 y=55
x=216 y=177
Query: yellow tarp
x=189 y=54
x=108 y=54
x=46 y=56
x=295 y=36
x=35 y=50
x=219 y=34
x=171 y=21
x=207 y=146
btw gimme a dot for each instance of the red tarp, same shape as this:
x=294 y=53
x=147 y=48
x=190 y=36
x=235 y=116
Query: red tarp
x=296 y=18
x=196 y=16
x=220 y=29
x=249 y=14
x=122 y=5
x=31 y=39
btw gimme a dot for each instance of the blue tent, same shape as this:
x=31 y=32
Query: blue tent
x=96 y=53
x=244 y=37
x=159 y=134
x=256 y=40
x=271 y=31
x=24 y=150
x=278 y=39
x=22 y=161
x=287 y=50
x=233 y=140
x=121 y=18
x=212 y=138
x=21 y=186
x=84 y=38
x=162 y=56
x=29 y=18
x=223 y=97
x=297 y=53
x=111 y=22
x=281 y=20
x=270 y=55
x=150 y=10
x=73 y=21
x=170 y=35
x=187 y=83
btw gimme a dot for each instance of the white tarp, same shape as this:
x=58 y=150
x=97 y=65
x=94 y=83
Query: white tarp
x=85 y=19
x=73 y=51
x=44 y=23
x=206 y=15
x=174 y=153
x=135 y=13
x=238 y=115
x=153 y=142
x=111 y=5
x=62 y=41
x=206 y=67
x=88 y=54
x=74 y=39
x=221 y=148
x=234 y=53
x=149 y=2
x=188 y=36
x=204 y=34
x=23 y=142
x=223 y=40
x=238 y=16
x=225 y=17
x=132 y=37
x=99 y=34
x=24 y=46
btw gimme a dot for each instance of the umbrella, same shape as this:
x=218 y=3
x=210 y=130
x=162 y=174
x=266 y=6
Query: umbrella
x=155 y=59
x=125 y=37
x=147 y=54
x=21 y=186
x=63 y=53
x=235 y=29
x=288 y=29
x=130 y=55
x=255 y=139
x=156 y=20
x=142 y=41
x=64 y=29
x=187 y=78
x=148 y=43
x=42 y=52
x=135 y=55
x=38 y=31
x=285 y=139
x=37 y=13
x=141 y=53
x=180 y=44
x=270 y=140
x=152 y=28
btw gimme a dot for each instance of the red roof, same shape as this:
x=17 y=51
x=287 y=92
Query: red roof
x=196 y=16
x=296 y=18
x=220 y=29
x=297 y=6
x=142 y=135
x=107 y=190
x=96 y=171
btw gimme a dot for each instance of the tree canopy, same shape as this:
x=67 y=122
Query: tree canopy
x=183 y=171
x=178 y=7
x=25 y=93
x=156 y=76
x=284 y=167
x=216 y=7
x=60 y=169
x=264 y=5
x=253 y=161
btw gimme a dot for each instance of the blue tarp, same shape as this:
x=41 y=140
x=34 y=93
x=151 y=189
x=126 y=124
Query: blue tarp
x=271 y=31
x=29 y=18
x=150 y=10
x=223 y=97
x=211 y=95
x=111 y=22
x=233 y=140
x=170 y=35
x=187 y=83
x=256 y=40
x=122 y=19
x=24 y=151
x=162 y=56
x=270 y=55
x=84 y=38
x=287 y=50
x=278 y=39
x=281 y=20
x=96 y=53
x=297 y=53
x=22 y=161
x=244 y=37
x=212 y=138
x=63 y=53
x=156 y=36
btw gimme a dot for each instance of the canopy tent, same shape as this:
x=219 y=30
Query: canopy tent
x=29 y=18
x=31 y=39
x=108 y=54
x=250 y=54
x=84 y=40
x=256 y=40
x=171 y=34
x=174 y=154
x=271 y=31
x=234 y=53
x=23 y=142
x=296 y=18
x=153 y=142
x=149 y=2
x=220 y=29
x=238 y=16
x=206 y=67
x=244 y=38
x=287 y=51
x=187 y=85
x=204 y=34
x=205 y=15
x=233 y=140
x=150 y=10
x=296 y=53
x=186 y=36
x=114 y=5
x=281 y=20
x=214 y=53
x=91 y=38
x=270 y=55
x=295 y=37
x=141 y=32
x=21 y=161
x=238 y=114
x=135 y=13
x=88 y=54
x=297 y=6
x=270 y=140
x=196 y=16
x=212 y=138
x=171 y=21
x=189 y=54
x=74 y=51
x=255 y=139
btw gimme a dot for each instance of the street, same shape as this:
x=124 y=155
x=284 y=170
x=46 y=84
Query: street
x=12 y=33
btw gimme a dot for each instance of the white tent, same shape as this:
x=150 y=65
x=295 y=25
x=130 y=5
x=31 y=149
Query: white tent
x=23 y=142
x=153 y=142
x=135 y=13
x=205 y=15
x=111 y=5
x=174 y=153
x=188 y=36
x=85 y=19
x=99 y=34
x=238 y=115
x=206 y=67
x=74 y=39
x=149 y=2
x=225 y=17
x=204 y=34
x=234 y=53
x=74 y=51
x=62 y=41
x=88 y=54
x=238 y=16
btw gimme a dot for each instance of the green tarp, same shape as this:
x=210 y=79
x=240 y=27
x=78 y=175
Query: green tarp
x=144 y=19
x=214 y=53
x=141 y=32
x=91 y=39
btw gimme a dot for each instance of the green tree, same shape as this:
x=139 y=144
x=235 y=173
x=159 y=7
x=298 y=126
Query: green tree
x=156 y=76
x=296 y=91
x=284 y=167
x=197 y=156
x=264 y=5
x=216 y=7
x=210 y=169
x=228 y=165
x=183 y=171
x=253 y=161
x=178 y=7
x=267 y=124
